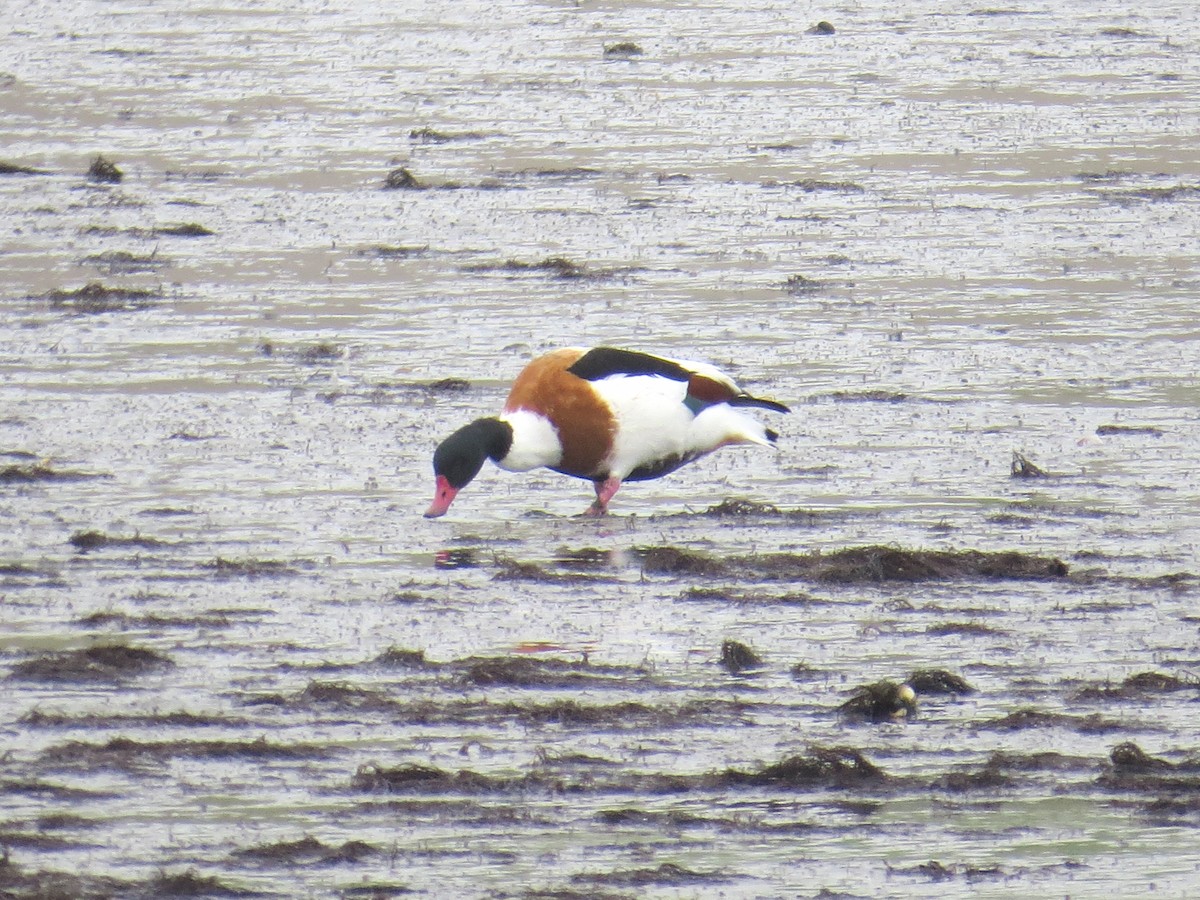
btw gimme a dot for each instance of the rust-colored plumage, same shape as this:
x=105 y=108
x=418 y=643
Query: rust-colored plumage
x=708 y=390
x=584 y=422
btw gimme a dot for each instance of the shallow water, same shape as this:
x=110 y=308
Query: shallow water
x=941 y=237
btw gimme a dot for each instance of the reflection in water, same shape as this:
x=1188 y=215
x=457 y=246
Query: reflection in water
x=456 y=558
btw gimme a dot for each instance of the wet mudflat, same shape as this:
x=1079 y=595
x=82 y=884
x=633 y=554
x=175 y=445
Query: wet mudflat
x=257 y=260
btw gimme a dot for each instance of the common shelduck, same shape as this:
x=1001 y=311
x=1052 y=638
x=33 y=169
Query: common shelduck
x=606 y=415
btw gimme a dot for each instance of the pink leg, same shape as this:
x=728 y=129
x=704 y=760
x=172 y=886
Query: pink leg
x=604 y=493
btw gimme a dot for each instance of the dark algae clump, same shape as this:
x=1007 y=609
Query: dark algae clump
x=622 y=50
x=938 y=681
x=1023 y=468
x=737 y=658
x=106 y=662
x=104 y=171
x=402 y=179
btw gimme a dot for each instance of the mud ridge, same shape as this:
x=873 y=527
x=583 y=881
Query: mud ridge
x=665 y=875
x=1138 y=687
x=567 y=713
x=1133 y=430
x=181 y=719
x=822 y=767
x=7 y=168
x=251 y=568
x=105 y=662
x=327 y=695
x=46 y=884
x=1022 y=719
x=34 y=472
x=521 y=671
x=83 y=541
x=743 y=508
x=937 y=872
x=402 y=658
x=307 y=851
x=18 y=883
x=1132 y=769
x=877 y=395
x=557 y=267
x=856 y=565
x=739 y=597
x=125 y=621
x=429 y=135
x=547 y=672
x=35 y=787
x=184 y=229
x=122 y=262
x=35 y=840
x=95 y=298
x=514 y=570
x=969 y=629
x=126 y=754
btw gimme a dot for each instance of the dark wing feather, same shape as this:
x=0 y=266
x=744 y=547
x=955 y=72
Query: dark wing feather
x=605 y=361
x=702 y=391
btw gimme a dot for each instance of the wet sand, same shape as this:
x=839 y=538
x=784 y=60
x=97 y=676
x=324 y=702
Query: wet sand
x=257 y=262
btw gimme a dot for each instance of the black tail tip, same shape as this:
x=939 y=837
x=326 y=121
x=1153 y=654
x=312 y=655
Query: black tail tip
x=760 y=402
x=772 y=436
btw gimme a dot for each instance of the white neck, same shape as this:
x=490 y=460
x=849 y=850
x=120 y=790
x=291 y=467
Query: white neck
x=535 y=442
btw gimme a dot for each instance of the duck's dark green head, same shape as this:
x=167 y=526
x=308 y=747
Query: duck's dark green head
x=458 y=459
